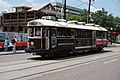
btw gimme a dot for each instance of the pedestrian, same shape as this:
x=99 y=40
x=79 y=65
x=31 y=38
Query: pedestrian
x=6 y=44
x=14 y=40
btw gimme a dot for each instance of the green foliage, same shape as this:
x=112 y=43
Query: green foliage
x=73 y=17
x=117 y=23
x=58 y=16
x=102 y=18
x=83 y=16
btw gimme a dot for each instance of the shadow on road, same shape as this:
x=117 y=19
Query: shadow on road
x=73 y=55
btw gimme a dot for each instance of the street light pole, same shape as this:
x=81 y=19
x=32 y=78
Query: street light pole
x=88 y=14
x=64 y=16
x=111 y=34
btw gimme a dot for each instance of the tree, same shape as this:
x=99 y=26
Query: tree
x=73 y=17
x=83 y=16
x=104 y=19
x=117 y=23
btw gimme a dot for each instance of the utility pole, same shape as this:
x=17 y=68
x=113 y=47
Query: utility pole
x=88 y=14
x=64 y=15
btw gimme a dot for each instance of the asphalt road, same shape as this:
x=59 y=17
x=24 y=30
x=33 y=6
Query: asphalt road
x=105 y=69
x=93 y=66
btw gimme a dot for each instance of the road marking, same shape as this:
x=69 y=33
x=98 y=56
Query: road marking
x=110 y=61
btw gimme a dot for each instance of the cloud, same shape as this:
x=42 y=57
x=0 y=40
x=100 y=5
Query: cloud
x=53 y=0
x=84 y=0
x=88 y=1
x=30 y=1
x=4 y=4
x=93 y=9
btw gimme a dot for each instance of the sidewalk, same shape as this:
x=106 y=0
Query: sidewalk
x=11 y=52
x=113 y=45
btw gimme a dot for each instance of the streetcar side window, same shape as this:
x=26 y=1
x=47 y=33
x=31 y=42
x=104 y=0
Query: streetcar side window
x=78 y=33
x=31 y=32
x=72 y=33
x=53 y=32
x=37 y=31
x=105 y=35
x=34 y=31
x=83 y=34
x=99 y=34
x=63 y=32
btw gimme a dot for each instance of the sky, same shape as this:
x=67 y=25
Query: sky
x=112 y=6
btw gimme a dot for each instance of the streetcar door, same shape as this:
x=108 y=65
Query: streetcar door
x=46 y=35
x=53 y=38
x=93 y=39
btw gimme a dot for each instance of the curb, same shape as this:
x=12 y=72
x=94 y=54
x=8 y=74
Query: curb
x=11 y=53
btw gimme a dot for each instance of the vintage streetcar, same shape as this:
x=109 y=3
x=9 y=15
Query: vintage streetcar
x=48 y=37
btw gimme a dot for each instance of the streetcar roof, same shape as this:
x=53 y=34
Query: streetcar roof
x=72 y=24
x=103 y=29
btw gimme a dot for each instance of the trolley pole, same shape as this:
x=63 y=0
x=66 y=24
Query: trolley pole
x=64 y=15
x=88 y=14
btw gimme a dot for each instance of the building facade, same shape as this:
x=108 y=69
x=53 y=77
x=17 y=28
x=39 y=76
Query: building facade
x=16 y=21
x=0 y=22
x=69 y=9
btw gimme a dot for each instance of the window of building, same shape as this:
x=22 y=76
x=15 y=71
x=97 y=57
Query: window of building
x=6 y=16
x=20 y=28
x=12 y=28
x=13 y=16
x=19 y=10
x=21 y=15
x=5 y=28
x=30 y=15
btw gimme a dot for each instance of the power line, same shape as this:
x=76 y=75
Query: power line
x=81 y=4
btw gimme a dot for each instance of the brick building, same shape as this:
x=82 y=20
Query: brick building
x=16 y=21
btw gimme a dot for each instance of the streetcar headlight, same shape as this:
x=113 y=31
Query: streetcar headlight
x=32 y=43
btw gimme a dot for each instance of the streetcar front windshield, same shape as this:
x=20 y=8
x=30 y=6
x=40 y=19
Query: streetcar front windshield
x=34 y=31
